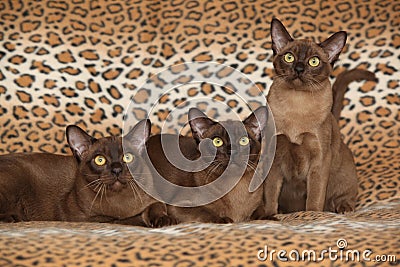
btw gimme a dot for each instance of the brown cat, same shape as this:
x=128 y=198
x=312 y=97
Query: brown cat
x=313 y=169
x=242 y=147
x=93 y=185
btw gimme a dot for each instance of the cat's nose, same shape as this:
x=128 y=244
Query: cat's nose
x=299 y=67
x=116 y=169
x=232 y=152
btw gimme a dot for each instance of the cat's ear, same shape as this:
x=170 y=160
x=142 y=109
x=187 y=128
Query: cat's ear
x=279 y=35
x=257 y=121
x=334 y=45
x=79 y=141
x=139 y=134
x=199 y=123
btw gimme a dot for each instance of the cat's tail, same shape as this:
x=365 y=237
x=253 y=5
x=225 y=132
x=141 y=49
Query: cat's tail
x=340 y=86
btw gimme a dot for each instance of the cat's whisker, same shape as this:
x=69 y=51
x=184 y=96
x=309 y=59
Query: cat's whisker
x=252 y=164
x=282 y=76
x=253 y=168
x=94 y=199
x=105 y=196
x=97 y=187
x=103 y=191
x=203 y=165
x=100 y=196
x=211 y=170
x=135 y=190
x=95 y=183
x=95 y=175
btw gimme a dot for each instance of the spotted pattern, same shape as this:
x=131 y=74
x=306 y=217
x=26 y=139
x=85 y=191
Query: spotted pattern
x=80 y=62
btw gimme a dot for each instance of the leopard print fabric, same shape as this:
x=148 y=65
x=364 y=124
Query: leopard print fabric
x=80 y=62
x=76 y=244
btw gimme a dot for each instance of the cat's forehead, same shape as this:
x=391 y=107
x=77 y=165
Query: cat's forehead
x=108 y=145
x=234 y=128
x=304 y=48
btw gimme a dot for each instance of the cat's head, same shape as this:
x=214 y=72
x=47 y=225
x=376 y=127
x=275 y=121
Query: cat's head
x=103 y=163
x=303 y=64
x=239 y=141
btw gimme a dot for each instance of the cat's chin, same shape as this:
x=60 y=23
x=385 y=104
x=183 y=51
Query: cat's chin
x=117 y=186
x=297 y=83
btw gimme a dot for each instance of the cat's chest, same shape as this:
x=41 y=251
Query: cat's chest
x=119 y=205
x=239 y=203
x=297 y=112
x=296 y=160
x=297 y=166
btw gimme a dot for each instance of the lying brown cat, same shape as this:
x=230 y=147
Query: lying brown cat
x=242 y=147
x=93 y=185
x=313 y=169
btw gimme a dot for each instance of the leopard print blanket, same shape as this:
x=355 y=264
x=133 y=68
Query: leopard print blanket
x=80 y=62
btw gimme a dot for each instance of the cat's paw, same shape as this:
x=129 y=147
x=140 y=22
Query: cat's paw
x=344 y=207
x=224 y=220
x=267 y=218
x=164 y=220
x=259 y=214
x=9 y=218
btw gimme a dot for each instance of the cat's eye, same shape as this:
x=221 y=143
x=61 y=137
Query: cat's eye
x=217 y=142
x=314 y=61
x=289 y=58
x=100 y=160
x=243 y=141
x=128 y=158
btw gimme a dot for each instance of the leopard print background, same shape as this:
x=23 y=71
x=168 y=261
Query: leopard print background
x=80 y=62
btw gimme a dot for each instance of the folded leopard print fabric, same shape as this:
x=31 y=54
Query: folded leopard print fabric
x=80 y=62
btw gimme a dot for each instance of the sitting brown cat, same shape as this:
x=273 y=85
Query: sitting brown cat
x=313 y=169
x=93 y=185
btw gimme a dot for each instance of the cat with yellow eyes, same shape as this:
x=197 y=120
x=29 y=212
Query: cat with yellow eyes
x=93 y=185
x=230 y=151
x=313 y=169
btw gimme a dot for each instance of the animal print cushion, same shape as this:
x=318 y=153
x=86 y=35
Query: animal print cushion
x=80 y=62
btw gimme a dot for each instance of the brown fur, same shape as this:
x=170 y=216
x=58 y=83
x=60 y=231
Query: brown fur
x=51 y=187
x=239 y=203
x=313 y=169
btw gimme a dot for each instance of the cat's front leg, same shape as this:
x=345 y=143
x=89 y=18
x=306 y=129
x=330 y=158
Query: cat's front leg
x=10 y=218
x=317 y=182
x=156 y=216
x=259 y=214
x=136 y=220
x=272 y=190
x=197 y=214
